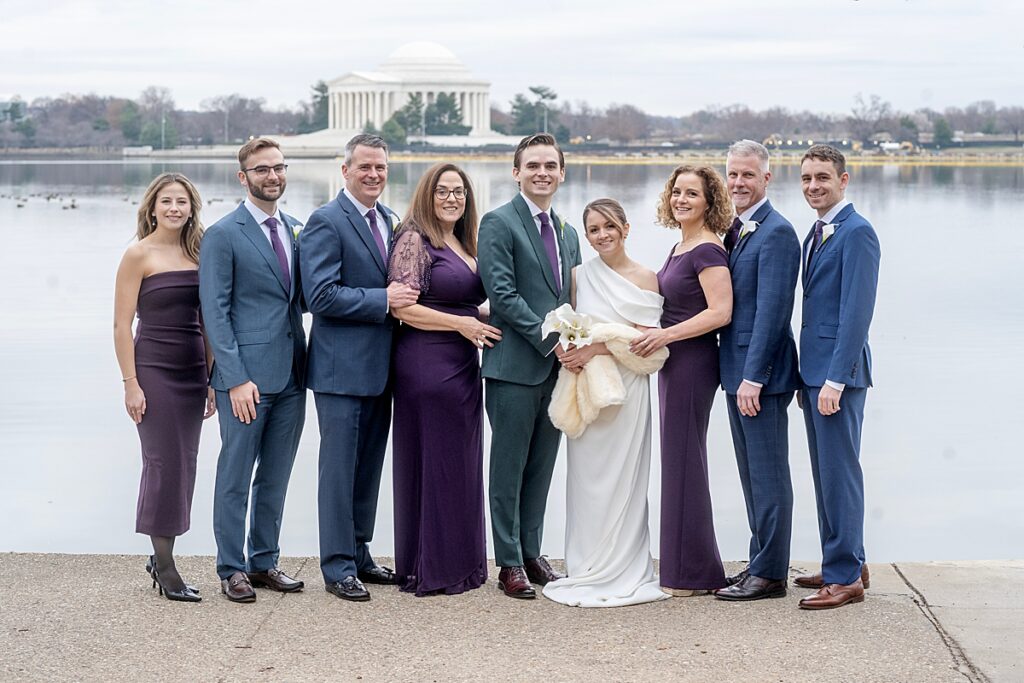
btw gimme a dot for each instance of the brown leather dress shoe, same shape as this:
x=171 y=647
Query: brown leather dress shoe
x=237 y=588
x=540 y=572
x=753 y=587
x=816 y=580
x=736 y=578
x=275 y=580
x=514 y=582
x=833 y=595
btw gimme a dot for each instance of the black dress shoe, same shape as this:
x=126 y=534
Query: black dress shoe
x=349 y=588
x=237 y=588
x=753 y=588
x=180 y=595
x=276 y=580
x=379 y=575
x=736 y=578
x=540 y=572
x=515 y=584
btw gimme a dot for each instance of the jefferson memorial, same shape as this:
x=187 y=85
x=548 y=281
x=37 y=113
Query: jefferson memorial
x=424 y=68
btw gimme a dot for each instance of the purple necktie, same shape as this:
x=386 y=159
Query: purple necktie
x=733 y=236
x=547 y=236
x=371 y=217
x=282 y=257
x=816 y=242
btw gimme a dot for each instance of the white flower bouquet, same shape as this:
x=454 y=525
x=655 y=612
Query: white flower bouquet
x=572 y=327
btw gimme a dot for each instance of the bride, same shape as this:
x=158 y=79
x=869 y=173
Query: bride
x=607 y=540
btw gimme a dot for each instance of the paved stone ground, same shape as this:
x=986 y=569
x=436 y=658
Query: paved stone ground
x=96 y=618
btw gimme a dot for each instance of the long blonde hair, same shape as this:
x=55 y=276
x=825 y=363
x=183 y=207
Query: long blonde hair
x=192 y=232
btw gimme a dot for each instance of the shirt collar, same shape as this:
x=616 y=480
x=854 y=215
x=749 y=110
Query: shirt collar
x=749 y=213
x=834 y=211
x=535 y=210
x=259 y=215
x=363 y=210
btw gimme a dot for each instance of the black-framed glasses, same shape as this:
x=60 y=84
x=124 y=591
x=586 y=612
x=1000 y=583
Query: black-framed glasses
x=442 y=193
x=264 y=171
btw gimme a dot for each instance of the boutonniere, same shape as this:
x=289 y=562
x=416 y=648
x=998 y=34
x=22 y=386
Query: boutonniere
x=827 y=231
x=296 y=229
x=561 y=227
x=395 y=221
x=748 y=227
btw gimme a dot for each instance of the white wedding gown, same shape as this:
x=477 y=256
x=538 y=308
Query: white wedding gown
x=607 y=540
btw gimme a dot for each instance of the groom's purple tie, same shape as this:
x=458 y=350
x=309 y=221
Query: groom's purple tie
x=547 y=236
x=733 y=236
x=816 y=242
x=282 y=258
x=371 y=217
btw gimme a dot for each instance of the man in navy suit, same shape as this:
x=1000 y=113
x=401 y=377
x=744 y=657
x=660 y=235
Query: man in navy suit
x=840 y=278
x=251 y=300
x=344 y=255
x=758 y=363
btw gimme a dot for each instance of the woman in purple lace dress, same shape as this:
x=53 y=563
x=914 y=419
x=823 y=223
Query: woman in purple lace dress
x=438 y=419
x=698 y=300
x=165 y=367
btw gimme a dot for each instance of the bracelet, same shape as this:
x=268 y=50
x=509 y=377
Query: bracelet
x=128 y=378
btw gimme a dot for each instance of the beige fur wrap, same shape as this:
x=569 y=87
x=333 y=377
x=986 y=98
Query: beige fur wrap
x=578 y=398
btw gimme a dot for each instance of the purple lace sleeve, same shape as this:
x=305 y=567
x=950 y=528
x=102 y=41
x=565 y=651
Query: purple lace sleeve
x=410 y=261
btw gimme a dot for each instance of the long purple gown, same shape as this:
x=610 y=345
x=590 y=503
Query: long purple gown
x=170 y=363
x=438 y=429
x=687 y=385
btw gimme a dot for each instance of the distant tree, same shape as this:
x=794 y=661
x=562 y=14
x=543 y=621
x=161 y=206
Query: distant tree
x=100 y=124
x=159 y=137
x=442 y=116
x=544 y=95
x=369 y=128
x=27 y=128
x=524 y=116
x=943 y=134
x=321 y=106
x=500 y=121
x=393 y=133
x=1012 y=121
x=242 y=116
x=130 y=122
x=410 y=116
x=624 y=123
x=869 y=117
x=908 y=130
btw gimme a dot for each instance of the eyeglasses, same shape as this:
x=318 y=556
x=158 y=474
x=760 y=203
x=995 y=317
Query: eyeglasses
x=264 y=171
x=442 y=193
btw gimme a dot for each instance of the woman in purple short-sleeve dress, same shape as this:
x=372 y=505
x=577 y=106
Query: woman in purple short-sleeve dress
x=698 y=300
x=438 y=396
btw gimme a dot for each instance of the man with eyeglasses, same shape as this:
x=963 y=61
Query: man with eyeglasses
x=344 y=251
x=250 y=293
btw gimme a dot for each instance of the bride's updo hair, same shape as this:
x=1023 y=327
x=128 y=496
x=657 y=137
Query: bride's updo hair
x=611 y=210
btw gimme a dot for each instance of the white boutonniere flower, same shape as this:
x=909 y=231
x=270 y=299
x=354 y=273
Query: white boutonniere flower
x=296 y=229
x=561 y=227
x=748 y=227
x=827 y=231
x=572 y=327
x=395 y=222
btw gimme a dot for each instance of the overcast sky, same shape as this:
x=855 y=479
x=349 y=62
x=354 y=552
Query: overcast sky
x=664 y=57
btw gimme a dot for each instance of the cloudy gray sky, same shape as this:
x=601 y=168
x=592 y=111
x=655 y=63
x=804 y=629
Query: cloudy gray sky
x=665 y=57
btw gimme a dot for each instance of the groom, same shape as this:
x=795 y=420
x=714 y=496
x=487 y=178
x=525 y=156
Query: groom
x=526 y=256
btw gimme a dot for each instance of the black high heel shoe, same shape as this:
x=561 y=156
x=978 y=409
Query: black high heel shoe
x=151 y=564
x=184 y=595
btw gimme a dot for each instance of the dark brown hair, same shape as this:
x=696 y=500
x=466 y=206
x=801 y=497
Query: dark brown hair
x=538 y=139
x=826 y=153
x=422 y=218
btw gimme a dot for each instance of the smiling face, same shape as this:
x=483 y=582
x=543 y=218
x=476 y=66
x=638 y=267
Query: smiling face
x=172 y=207
x=687 y=200
x=539 y=174
x=267 y=186
x=450 y=209
x=604 y=234
x=746 y=181
x=823 y=186
x=367 y=175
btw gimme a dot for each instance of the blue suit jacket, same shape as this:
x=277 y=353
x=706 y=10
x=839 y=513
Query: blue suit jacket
x=253 y=323
x=345 y=282
x=839 y=300
x=758 y=344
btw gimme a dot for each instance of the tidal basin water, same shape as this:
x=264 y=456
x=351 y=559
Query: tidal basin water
x=942 y=452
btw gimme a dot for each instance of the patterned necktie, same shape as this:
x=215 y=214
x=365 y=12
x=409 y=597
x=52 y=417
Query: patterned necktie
x=816 y=242
x=371 y=218
x=733 y=236
x=282 y=257
x=547 y=236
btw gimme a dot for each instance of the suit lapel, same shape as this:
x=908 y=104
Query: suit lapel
x=534 y=236
x=563 y=258
x=826 y=244
x=292 y=244
x=362 y=229
x=758 y=218
x=255 y=234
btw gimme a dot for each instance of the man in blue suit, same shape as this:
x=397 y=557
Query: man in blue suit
x=840 y=278
x=250 y=294
x=758 y=363
x=344 y=255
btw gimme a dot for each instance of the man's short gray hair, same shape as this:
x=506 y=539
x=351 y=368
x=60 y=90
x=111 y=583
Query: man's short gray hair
x=366 y=140
x=749 y=148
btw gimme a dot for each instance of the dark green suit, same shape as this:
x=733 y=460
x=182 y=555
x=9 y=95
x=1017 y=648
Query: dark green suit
x=521 y=370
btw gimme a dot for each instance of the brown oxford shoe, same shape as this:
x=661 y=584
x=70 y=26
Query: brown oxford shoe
x=237 y=588
x=833 y=595
x=275 y=580
x=753 y=587
x=540 y=572
x=515 y=584
x=816 y=580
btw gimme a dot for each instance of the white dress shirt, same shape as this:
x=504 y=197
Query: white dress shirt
x=260 y=216
x=382 y=223
x=536 y=211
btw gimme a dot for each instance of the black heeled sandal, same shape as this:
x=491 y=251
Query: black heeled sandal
x=184 y=595
x=151 y=565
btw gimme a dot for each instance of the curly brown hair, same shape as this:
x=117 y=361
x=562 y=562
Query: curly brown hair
x=719 y=213
x=192 y=232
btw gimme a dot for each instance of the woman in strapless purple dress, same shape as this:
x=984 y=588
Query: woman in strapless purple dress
x=438 y=421
x=165 y=367
x=698 y=300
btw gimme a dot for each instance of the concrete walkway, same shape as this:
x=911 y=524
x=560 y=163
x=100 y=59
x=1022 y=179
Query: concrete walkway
x=95 y=618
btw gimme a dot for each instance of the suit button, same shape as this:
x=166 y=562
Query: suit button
x=289 y=335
